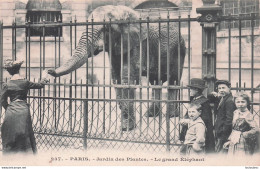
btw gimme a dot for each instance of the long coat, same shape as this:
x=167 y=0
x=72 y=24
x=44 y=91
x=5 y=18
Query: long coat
x=17 y=131
x=206 y=115
x=224 y=115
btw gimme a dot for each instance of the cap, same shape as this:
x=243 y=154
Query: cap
x=226 y=82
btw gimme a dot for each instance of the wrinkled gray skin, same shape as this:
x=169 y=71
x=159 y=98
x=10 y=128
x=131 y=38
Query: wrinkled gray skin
x=124 y=13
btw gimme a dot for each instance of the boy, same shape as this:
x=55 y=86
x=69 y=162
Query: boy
x=223 y=109
x=195 y=137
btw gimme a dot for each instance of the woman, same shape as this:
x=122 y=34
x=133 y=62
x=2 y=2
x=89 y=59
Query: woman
x=17 y=132
x=196 y=88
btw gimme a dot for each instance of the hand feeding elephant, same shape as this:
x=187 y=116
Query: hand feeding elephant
x=86 y=46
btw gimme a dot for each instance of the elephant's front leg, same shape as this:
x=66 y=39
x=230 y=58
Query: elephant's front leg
x=155 y=108
x=125 y=95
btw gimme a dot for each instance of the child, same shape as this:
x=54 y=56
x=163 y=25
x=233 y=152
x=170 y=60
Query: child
x=244 y=129
x=195 y=136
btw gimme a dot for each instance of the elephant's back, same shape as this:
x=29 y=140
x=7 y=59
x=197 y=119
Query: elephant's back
x=115 y=13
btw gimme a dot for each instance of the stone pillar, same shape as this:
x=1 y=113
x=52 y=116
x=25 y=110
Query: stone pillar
x=208 y=20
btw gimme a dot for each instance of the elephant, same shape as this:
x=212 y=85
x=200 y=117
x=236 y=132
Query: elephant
x=92 y=42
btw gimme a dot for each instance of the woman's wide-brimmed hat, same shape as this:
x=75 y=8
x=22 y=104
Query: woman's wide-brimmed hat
x=197 y=83
x=9 y=63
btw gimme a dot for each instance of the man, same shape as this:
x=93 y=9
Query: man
x=223 y=109
x=197 y=86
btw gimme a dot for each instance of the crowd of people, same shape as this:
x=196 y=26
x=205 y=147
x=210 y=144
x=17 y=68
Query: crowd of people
x=234 y=130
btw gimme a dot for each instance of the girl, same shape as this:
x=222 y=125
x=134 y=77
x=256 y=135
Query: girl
x=17 y=132
x=195 y=137
x=244 y=128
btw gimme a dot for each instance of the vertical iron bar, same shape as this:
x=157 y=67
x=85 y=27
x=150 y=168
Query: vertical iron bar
x=148 y=53
x=189 y=57
x=29 y=53
x=1 y=59
x=168 y=80
x=128 y=74
x=85 y=131
x=140 y=75
x=92 y=82
x=98 y=112
x=122 y=58
x=252 y=60
x=128 y=54
x=64 y=104
x=43 y=48
x=240 y=52
x=110 y=76
x=179 y=49
x=121 y=74
x=104 y=79
x=159 y=52
x=54 y=86
x=80 y=108
x=59 y=62
x=40 y=56
x=75 y=87
x=229 y=49
x=15 y=40
x=70 y=86
x=43 y=66
x=148 y=70
x=159 y=75
x=26 y=52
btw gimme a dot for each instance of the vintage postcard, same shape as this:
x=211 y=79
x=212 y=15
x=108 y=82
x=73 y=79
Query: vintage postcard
x=129 y=83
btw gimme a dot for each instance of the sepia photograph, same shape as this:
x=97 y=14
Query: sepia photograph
x=129 y=83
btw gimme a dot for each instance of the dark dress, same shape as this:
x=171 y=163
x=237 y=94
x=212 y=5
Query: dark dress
x=16 y=130
x=206 y=115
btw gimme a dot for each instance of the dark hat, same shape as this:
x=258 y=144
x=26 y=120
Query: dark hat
x=197 y=83
x=226 y=82
x=9 y=63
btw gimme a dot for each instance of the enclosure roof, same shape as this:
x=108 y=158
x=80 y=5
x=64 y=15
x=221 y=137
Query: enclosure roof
x=156 y=4
x=43 y=5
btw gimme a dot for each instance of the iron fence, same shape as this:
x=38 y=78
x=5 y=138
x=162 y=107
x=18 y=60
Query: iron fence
x=76 y=112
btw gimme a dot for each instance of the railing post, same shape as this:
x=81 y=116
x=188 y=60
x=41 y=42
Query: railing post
x=208 y=20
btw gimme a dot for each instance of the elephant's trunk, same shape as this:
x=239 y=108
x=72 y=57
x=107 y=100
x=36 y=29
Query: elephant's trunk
x=85 y=49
